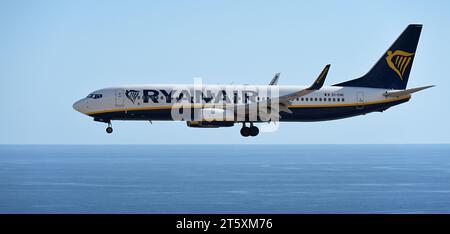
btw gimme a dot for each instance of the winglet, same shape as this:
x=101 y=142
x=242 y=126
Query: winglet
x=274 y=80
x=321 y=79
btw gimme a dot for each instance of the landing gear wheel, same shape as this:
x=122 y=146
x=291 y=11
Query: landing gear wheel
x=245 y=131
x=253 y=131
x=109 y=129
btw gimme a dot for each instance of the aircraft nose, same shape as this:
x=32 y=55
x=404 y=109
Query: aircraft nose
x=79 y=106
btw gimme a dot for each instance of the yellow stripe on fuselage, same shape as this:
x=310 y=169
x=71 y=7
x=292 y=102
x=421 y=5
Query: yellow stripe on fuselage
x=217 y=105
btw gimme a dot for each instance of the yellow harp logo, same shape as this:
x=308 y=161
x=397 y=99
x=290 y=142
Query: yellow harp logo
x=398 y=61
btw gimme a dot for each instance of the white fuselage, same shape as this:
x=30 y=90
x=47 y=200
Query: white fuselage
x=148 y=98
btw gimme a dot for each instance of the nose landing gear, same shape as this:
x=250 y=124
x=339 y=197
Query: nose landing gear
x=109 y=129
x=249 y=131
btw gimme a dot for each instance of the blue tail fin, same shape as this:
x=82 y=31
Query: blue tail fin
x=393 y=68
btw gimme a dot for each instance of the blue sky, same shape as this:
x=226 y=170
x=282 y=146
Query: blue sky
x=52 y=53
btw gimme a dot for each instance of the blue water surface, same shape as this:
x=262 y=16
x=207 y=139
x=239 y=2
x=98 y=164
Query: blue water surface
x=225 y=179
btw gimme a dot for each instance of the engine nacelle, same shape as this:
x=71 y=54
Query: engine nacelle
x=216 y=115
x=213 y=118
x=205 y=124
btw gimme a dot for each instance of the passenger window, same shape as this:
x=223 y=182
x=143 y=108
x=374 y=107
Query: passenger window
x=315 y=99
x=302 y=99
x=320 y=99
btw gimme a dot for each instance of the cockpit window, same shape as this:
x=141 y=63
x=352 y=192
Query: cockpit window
x=94 y=96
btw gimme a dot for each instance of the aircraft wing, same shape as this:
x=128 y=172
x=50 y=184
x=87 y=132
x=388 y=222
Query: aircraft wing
x=405 y=92
x=285 y=100
x=318 y=83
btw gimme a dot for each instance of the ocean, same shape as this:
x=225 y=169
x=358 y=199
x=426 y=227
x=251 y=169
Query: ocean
x=225 y=179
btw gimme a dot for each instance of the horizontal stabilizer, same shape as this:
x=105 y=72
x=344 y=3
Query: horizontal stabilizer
x=405 y=92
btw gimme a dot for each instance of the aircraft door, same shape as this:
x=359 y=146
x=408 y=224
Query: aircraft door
x=120 y=97
x=360 y=100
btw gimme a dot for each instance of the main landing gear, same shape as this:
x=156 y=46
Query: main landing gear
x=109 y=129
x=249 y=131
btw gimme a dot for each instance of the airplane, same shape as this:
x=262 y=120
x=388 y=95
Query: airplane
x=214 y=106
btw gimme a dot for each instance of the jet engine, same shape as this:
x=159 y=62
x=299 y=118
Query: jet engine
x=216 y=115
x=206 y=124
